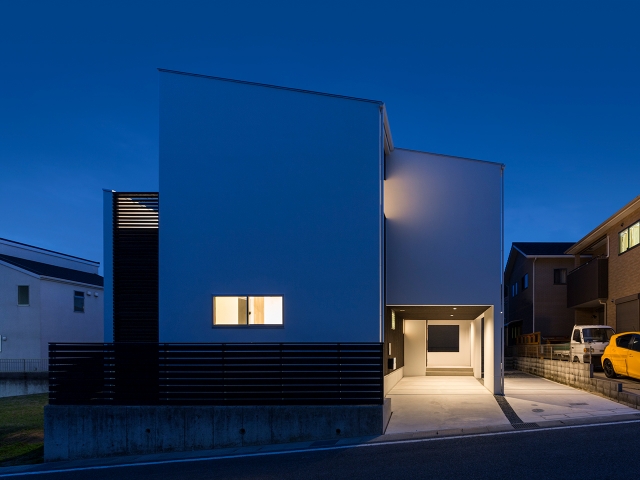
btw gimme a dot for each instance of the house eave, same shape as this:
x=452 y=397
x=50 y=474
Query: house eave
x=601 y=230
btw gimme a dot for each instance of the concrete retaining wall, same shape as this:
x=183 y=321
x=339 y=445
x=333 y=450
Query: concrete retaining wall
x=72 y=432
x=577 y=375
x=14 y=384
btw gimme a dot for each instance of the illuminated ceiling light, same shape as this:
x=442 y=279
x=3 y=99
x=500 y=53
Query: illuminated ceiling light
x=455 y=308
x=451 y=315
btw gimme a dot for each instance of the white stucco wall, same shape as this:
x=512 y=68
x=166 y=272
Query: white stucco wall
x=444 y=225
x=462 y=358
x=415 y=347
x=274 y=192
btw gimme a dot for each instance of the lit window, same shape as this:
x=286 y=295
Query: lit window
x=634 y=235
x=78 y=301
x=23 y=295
x=393 y=320
x=559 y=276
x=247 y=310
x=629 y=238
x=624 y=240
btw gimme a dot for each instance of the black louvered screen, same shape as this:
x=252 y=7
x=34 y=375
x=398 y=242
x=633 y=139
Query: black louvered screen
x=215 y=374
x=135 y=267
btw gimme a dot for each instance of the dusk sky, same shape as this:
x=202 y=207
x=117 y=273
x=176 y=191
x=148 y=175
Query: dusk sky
x=550 y=89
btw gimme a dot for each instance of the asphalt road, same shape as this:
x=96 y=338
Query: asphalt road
x=595 y=452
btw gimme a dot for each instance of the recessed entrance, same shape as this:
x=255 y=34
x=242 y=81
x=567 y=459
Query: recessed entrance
x=437 y=347
x=443 y=340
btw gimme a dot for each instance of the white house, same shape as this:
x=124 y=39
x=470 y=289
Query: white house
x=293 y=266
x=46 y=296
x=290 y=216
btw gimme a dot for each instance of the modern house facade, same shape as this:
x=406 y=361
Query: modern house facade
x=46 y=296
x=302 y=260
x=535 y=289
x=604 y=286
x=302 y=198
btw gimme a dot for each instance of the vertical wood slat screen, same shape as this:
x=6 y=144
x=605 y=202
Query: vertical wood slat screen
x=216 y=374
x=135 y=267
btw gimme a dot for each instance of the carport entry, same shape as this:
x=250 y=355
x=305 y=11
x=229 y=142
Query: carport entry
x=437 y=347
x=448 y=341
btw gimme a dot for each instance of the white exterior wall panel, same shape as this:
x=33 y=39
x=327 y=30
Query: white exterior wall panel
x=444 y=224
x=59 y=323
x=20 y=324
x=267 y=191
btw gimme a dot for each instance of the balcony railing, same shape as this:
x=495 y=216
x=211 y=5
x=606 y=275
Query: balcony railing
x=23 y=365
x=588 y=283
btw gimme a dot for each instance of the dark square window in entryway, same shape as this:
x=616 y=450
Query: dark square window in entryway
x=443 y=338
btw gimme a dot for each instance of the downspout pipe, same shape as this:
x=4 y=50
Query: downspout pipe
x=533 y=280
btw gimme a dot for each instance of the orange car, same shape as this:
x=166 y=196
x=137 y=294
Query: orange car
x=622 y=355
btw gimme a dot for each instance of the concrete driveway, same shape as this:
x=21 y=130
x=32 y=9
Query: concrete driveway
x=537 y=399
x=422 y=404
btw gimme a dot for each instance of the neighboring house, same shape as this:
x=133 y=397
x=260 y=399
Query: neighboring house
x=535 y=289
x=46 y=296
x=604 y=286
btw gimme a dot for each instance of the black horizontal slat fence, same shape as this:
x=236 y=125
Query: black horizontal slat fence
x=215 y=374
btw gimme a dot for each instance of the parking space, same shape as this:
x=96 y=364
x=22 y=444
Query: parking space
x=421 y=404
x=536 y=399
x=425 y=403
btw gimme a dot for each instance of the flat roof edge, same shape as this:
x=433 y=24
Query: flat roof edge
x=278 y=87
x=502 y=165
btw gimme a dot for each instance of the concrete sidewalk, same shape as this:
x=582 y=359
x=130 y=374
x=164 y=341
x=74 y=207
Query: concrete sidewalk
x=424 y=404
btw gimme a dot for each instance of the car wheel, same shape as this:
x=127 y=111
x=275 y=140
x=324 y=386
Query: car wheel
x=608 y=369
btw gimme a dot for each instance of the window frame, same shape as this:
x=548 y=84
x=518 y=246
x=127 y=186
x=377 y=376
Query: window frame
x=629 y=337
x=565 y=276
x=83 y=301
x=525 y=281
x=28 y=304
x=579 y=334
x=247 y=325
x=627 y=230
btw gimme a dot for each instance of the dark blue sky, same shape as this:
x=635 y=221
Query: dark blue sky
x=551 y=89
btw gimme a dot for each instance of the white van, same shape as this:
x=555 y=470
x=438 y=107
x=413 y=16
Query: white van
x=588 y=343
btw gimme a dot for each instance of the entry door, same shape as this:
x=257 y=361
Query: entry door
x=415 y=347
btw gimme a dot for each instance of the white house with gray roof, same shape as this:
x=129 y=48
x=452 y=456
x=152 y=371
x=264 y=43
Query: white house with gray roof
x=46 y=296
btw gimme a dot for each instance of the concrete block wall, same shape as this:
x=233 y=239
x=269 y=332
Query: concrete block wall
x=15 y=384
x=73 y=432
x=568 y=373
x=577 y=375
